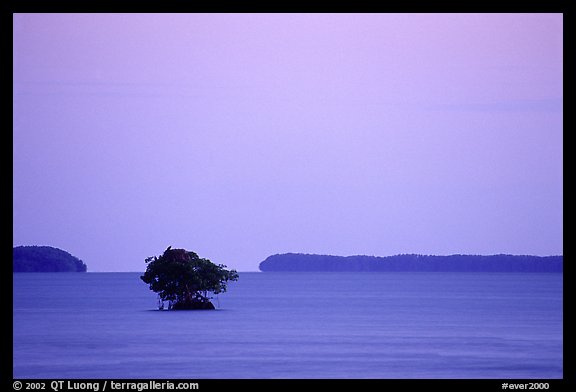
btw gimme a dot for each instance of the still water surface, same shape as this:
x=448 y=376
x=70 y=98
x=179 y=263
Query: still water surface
x=293 y=325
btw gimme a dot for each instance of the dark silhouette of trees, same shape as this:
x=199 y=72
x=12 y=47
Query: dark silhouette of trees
x=186 y=280
x=414 y=262
x=45 y=259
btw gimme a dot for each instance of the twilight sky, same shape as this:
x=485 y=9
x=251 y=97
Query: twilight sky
x=239 y=136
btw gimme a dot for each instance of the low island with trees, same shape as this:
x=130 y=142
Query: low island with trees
x=298 y=262
x=185 y=280
x=45 y=259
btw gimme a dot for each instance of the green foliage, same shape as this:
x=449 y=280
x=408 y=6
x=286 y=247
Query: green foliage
x=183 y=277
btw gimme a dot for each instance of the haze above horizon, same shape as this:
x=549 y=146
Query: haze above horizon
x=240 y=136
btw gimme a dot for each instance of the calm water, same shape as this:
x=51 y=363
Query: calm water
x=293 y=325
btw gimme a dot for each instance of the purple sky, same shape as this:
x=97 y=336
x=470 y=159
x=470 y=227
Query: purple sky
x=241 y=136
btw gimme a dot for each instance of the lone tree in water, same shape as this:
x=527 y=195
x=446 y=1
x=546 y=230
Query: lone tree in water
x=185 y=280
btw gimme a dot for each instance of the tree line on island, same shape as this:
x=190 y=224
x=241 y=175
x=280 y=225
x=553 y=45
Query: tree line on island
x=45 y=259
x=298 y=262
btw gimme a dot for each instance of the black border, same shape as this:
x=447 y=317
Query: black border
x=246 y=6
x=145 y=6
x=568 y=302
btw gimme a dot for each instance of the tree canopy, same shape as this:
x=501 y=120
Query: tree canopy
x=186 y=280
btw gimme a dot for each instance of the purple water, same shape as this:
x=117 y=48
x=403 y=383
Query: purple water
x=293 y=325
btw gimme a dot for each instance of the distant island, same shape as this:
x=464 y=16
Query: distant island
x=298 y=262
x=45 y=259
